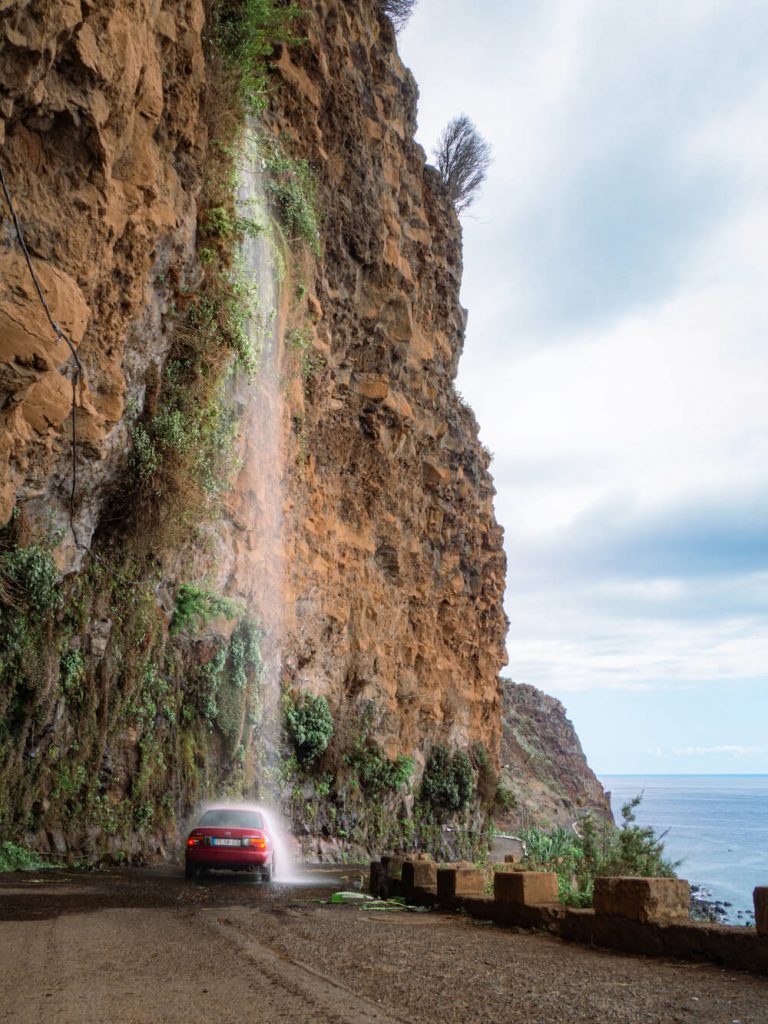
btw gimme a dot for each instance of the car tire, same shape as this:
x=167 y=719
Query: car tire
x=191 y=872
x=268 y=871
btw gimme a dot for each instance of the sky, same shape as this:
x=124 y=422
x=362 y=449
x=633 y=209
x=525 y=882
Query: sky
x=616 y=276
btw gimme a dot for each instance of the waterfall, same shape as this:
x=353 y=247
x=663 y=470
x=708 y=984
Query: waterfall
x=262 y=472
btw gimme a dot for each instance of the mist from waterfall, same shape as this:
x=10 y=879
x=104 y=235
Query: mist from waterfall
x=263 y=460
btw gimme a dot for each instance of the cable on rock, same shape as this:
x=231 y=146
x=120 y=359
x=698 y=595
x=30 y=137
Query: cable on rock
x=77 y=375
x=77 y=368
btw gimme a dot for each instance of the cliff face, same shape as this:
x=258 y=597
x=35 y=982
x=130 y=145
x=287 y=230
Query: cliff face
x=379 y=577
x=542 y=763
x=358 y=528
x=103 y=148
x=397 y=568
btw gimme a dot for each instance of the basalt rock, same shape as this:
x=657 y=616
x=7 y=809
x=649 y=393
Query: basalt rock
x=386 y=593
x=397 y=568
x=542 y=763
x=103 y=150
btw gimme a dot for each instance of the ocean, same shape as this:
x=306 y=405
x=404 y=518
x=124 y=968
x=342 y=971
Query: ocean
x=717 y=825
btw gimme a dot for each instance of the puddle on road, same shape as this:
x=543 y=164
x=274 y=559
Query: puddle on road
x=47 y=891
x=166 y=883
x=325 y=877
x=59 y=885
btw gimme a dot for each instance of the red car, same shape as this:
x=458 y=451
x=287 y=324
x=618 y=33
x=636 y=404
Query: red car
x=232 y=839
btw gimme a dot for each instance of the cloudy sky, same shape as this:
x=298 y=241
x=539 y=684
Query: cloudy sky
x=617 y=354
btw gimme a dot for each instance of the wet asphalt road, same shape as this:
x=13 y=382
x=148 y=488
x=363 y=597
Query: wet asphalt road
x=29 y=896
x=147 y=947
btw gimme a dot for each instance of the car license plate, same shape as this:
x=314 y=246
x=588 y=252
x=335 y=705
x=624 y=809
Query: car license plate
x=225 y=842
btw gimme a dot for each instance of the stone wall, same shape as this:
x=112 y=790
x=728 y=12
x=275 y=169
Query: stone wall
x=642 y=915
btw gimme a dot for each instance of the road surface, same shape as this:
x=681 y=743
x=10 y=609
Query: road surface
x=146 y=947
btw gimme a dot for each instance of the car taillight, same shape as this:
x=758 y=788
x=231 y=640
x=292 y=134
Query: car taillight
x=194 y=840
x=258 y=842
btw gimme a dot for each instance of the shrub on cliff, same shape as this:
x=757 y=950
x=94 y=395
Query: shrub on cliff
x=376 y=774
x=29 y=580
x=631 y=849
x=310 y=727
x=447 y=783
x=246 y=32
x=30 y=598
x=487 y=779
x=197 y=605
x=398 y=11
x=462 y=157
x=20 y=858
x=293 y=190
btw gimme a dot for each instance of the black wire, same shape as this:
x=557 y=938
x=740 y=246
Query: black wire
x=20 y=235
x=77 y=368
x=77 y=374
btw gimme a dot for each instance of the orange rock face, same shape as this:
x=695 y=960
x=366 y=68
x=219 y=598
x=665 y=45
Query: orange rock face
x=396 y=562
x=391 y=571
x=102 y=150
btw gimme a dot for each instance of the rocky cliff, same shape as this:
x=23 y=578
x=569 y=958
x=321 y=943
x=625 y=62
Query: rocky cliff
x=103 y=148
x=376 y=578
x=397 y=563
x=542 y=764
x=307 y=514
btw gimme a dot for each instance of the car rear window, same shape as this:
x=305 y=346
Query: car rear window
x=225 y=817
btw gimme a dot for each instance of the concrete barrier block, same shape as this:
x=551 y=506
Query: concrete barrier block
x=460 y=882
x=760 y=897
x=529 y=888
x=648 y=900
x=419 y=873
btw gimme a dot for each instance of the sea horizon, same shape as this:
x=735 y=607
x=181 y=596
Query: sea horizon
x=683 y=775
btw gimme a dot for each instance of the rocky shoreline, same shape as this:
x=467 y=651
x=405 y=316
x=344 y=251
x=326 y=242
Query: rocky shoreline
x=704 y=907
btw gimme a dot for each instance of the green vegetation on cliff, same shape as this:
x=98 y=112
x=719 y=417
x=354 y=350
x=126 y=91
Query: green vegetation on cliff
x=447 y=783
x=18 y=858
x=310 y=727
x=244 y=34
x=118 y=711
x=76 y=730
x=343 y=785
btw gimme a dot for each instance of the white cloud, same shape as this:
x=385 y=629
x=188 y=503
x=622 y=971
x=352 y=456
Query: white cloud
x=582 y=637
x=630 y=169
x=729 y=749
x=659 y=403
